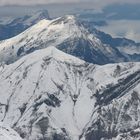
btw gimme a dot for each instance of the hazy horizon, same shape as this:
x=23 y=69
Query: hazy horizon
x=112 y=11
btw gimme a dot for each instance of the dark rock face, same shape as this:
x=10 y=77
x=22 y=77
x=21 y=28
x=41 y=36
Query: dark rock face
x=85 y=50
x=115 y=119
x=119 y=89
x=20 y=51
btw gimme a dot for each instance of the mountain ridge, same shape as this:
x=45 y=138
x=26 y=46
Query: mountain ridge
x=68 y=35
x=17 y=25
x=48 y=91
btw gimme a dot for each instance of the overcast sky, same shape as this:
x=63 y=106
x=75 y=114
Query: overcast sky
x=58 y=7
x=62 y=4
x=16 y=8
x=35 y=2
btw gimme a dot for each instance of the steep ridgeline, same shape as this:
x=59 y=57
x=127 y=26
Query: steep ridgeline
x=50 y=95
x=67 y=34
x=15 y=26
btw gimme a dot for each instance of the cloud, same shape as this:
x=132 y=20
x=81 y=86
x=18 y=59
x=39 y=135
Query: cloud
x=123 y=28
x=34 y=2
x=95 y=3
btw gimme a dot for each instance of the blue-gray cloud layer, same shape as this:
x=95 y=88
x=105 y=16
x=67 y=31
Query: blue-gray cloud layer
x=35 y=2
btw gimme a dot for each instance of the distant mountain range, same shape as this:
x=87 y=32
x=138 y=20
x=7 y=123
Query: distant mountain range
x=13 y=27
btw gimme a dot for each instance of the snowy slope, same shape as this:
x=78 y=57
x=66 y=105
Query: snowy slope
x=67 y=34
x=7 y=133
x=52 y=95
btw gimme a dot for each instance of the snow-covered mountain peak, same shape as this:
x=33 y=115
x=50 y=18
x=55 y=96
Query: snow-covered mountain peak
x=58 y=22
x=66 y=19
x=43 y=34
x=42 y=23
x=52 y=52
x=65 y=33
x=70 y=17
x=69 y=23
x=61 y=56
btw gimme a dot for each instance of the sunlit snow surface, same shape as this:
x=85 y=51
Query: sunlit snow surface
x=6 y=133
